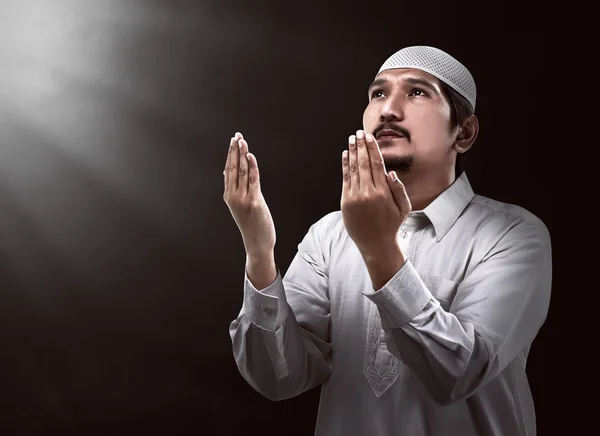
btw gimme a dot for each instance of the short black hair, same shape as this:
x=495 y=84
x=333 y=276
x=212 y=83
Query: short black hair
x=460 y=110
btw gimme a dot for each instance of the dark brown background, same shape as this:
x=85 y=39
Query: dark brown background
x=120 y=266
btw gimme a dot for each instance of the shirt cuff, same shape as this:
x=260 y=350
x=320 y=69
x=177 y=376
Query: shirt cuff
x=266 y=308
x=401 y=298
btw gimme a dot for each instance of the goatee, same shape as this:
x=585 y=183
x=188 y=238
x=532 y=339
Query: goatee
x=400 y=164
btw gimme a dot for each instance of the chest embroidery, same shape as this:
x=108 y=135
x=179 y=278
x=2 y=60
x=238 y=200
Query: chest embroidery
x=381 y=368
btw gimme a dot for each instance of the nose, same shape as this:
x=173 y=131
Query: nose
x=392 y=109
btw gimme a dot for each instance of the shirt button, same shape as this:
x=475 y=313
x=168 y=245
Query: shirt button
x=268 y=310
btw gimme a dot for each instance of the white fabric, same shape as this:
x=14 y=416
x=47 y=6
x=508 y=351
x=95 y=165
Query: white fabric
x=441 y=349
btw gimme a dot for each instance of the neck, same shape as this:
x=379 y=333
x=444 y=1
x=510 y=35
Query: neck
x=422 y=188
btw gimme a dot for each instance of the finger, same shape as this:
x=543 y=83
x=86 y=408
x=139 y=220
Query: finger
x=399 y=193
x=243 y=171
x=253 y=176
x=345 y=173
x=364 y=164
x=377 y=164
x=226 y=171
x=353 y=164
x=234 y=163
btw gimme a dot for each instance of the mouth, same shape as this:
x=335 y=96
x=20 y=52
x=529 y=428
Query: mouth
x=388 y=134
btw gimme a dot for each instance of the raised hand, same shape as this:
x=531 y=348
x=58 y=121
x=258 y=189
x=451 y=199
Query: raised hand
x=246 y=203
x=374 y=204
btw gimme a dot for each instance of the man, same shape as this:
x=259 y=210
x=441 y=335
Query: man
x=415 y=305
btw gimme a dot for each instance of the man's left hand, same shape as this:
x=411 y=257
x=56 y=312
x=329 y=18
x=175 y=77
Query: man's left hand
x=374 y=204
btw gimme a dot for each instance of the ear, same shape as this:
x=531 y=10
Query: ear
x=467 y=134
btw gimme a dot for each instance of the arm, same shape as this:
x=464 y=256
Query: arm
x=496 y=313
x=280 y=338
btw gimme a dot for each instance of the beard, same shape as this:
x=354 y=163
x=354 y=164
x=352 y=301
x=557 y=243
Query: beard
x=400 y=164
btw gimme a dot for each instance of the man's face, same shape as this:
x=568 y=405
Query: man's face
x=408 y=104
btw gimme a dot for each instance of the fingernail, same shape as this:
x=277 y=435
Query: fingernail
x=369 y=137
x=352 y=139
x=359 y=134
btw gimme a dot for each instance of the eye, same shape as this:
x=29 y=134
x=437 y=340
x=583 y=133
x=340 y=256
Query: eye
x=418 y=92
x=377 y=93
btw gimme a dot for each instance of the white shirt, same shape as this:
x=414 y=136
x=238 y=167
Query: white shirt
x=440 y=350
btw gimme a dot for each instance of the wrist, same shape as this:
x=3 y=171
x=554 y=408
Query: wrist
x=383 y=263
x=261 y=269
x=260 y=257
x=377 y=252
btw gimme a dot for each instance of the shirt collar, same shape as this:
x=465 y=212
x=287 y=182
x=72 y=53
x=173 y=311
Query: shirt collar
x=449 y=205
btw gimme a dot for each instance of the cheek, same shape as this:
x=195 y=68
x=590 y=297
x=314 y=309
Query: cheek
x=433 y=133
x=370 y=118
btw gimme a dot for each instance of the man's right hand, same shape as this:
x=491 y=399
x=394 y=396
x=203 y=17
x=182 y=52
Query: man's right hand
x=249 y=209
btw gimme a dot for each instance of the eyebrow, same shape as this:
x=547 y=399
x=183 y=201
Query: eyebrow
x=376 y=82
x=410 y=80
x=424 y=83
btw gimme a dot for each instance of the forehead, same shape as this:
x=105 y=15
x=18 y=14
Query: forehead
x=399 y=75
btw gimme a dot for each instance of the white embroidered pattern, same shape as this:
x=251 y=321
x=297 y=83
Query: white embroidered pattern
x=380 y=367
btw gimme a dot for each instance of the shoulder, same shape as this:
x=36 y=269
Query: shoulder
x=322 y=237
x=506 y=220
x=329 y=225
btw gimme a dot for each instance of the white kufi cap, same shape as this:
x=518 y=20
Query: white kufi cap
x=437 y=63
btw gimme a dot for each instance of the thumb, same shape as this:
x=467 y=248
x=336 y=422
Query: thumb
x=399 y=193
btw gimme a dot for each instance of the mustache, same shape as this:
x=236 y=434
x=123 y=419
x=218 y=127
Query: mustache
x=395 y=127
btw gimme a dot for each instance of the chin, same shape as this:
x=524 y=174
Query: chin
x=402 y=164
